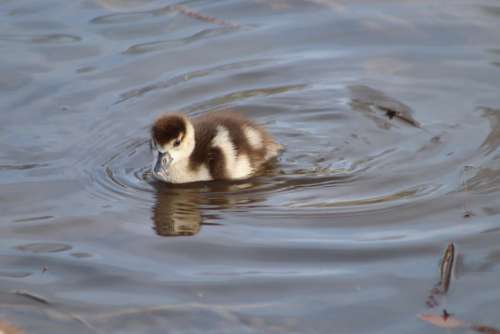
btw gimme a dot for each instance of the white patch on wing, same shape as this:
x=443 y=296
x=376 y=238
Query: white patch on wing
x=253 y=136
x=237 y=166
x=224 y=142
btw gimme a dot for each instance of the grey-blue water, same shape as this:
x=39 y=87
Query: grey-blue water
x=342 y=235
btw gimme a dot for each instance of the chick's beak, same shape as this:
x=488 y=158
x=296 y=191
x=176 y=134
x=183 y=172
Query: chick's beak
x=163 y=161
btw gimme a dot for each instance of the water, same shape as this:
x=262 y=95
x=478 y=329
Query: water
x=342 y=235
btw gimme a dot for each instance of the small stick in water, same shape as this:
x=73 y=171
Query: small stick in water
x=447 y=264
x=32 y=296
x=445 y=274
x=203 y=17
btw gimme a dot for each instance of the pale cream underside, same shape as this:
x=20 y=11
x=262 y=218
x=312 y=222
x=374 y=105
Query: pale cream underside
x=181 y=172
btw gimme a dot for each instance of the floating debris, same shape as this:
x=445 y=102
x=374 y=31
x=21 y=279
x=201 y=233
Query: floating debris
x=446 y=270
x=203 y=17
x=442 y=320
x=370 y=100
x=8 y=328
x=447 y=265
x=468 y=214
x=447 y=320
x=30 y=295
x=485 y=329
x=446 y=315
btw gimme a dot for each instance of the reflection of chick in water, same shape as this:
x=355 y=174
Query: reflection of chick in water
x=177 y=211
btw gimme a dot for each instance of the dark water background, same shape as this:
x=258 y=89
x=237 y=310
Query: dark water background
x=343 y=235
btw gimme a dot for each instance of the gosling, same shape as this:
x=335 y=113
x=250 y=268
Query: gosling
x=214 y=146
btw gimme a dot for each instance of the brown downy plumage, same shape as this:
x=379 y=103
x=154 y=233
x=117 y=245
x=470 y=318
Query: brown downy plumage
x=215 y=146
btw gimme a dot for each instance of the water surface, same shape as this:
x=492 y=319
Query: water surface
x=342 y=234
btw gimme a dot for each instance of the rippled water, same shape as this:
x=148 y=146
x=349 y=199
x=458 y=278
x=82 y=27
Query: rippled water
x=342 y=235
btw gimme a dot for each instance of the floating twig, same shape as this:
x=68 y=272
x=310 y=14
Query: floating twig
x=443 y=321
x=203 y=17
x=32 y=296
x=446 y=319
x=447 y=265
x=446 y=270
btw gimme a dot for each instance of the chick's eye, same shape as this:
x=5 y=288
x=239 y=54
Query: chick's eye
x=177 y=142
